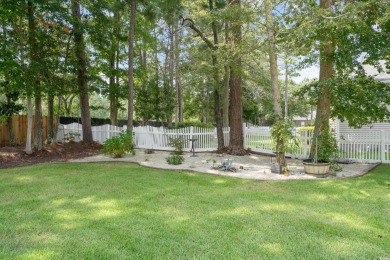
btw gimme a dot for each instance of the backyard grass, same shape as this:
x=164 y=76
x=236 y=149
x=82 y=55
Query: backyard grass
x=124 y=211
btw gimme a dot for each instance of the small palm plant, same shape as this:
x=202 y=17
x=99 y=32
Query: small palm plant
x=284 y=139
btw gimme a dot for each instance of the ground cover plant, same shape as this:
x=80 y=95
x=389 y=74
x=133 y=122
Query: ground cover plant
x=124 y=211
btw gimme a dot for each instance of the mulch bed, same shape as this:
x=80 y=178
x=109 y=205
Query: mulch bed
x=16 y=156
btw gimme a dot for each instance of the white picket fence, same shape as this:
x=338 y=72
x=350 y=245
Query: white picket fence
x=367 y=148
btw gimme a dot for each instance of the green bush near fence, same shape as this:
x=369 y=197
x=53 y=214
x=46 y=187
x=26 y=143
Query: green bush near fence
x=119 y=145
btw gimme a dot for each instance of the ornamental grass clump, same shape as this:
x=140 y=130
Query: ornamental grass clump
x=175 y=159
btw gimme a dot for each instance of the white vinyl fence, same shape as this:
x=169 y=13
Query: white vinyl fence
x=368 y=148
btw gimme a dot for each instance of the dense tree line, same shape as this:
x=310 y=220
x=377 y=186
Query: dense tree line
x=215 y=61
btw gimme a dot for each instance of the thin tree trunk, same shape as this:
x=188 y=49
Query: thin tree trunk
x=286 y=91
x=226 y=85
x=28 y=87
x=236 y=146
x=171 y=65
x=57 y=123
x=11 y=134
x=113 y=84
x=50 y=118
x=82 y=72
x=217 y=95
x=130 y=104
x=29 y=125
x=38 y=126
x=326 y=72
x=273 y=60
x=179 y=87
x=112 y=89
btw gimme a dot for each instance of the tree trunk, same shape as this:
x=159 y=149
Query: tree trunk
x=171 y=65
x=236 y=146
x=38 y=142
x=81 y=72
x=112 y=89
x=10 y=126
x=273 y=61
x=29 y=125
x=217 y=83
x=38 y=126
x=11 y=134
x=326 y=72
x=130 y=103
x=226 y=84
x=50 y=118
x=179 y=87
x=286 y=90
x=113 y=84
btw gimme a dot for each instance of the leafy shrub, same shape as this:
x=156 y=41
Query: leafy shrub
x=325 y=147
x=175 y=159
x=302 y=129
x=118 y=145
x=71 y=136
x=191 y=123
x=178 y=144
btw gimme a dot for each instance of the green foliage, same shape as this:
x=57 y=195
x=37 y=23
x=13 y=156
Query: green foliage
x=360 y=100
x=283 y=136
x=119 y=145
x=303 y=129
x=178 y=144
x=175 y=159
x=325 y=148
x=71 y=136
x=191 y=123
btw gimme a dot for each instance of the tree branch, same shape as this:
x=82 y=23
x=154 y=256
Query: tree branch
x=190 y=23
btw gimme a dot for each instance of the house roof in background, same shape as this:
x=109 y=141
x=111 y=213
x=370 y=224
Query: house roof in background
x=379 y=76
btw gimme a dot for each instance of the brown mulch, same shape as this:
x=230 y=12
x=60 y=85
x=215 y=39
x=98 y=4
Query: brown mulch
x=16 y=156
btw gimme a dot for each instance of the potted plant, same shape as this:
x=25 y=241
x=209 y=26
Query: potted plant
x=284 y=140
x=323 y=155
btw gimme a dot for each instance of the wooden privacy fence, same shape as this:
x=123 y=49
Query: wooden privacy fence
x=368 y=148
x=19 y=124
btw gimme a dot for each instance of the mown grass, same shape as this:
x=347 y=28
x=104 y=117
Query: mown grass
x=123 y=211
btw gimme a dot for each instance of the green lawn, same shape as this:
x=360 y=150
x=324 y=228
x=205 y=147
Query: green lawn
x=123 y=211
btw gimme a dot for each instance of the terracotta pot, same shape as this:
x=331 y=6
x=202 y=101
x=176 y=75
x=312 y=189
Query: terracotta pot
x=316 y=169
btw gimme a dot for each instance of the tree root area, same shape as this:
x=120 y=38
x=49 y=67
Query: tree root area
x=16 y=156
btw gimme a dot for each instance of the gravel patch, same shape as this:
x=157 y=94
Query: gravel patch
x=252 y=166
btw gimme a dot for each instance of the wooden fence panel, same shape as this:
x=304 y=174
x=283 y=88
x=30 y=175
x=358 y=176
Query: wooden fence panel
x=19 y=124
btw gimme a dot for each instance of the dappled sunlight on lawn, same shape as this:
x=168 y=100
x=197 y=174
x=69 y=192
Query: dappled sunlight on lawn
x=24 y=179
x=274 y=248
x=355 y=221
x=172 y=214
x=41 y=254
x=76 y=213
x=219 y=181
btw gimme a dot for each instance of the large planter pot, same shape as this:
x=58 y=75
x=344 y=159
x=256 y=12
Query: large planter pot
x=317 y=169
x=276 y=168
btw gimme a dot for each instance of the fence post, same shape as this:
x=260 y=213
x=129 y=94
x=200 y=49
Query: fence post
x=304 y=135
x=244 y=134
x=383 y=146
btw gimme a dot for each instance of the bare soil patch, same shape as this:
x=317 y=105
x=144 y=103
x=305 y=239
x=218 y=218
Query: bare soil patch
x=16 y=156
